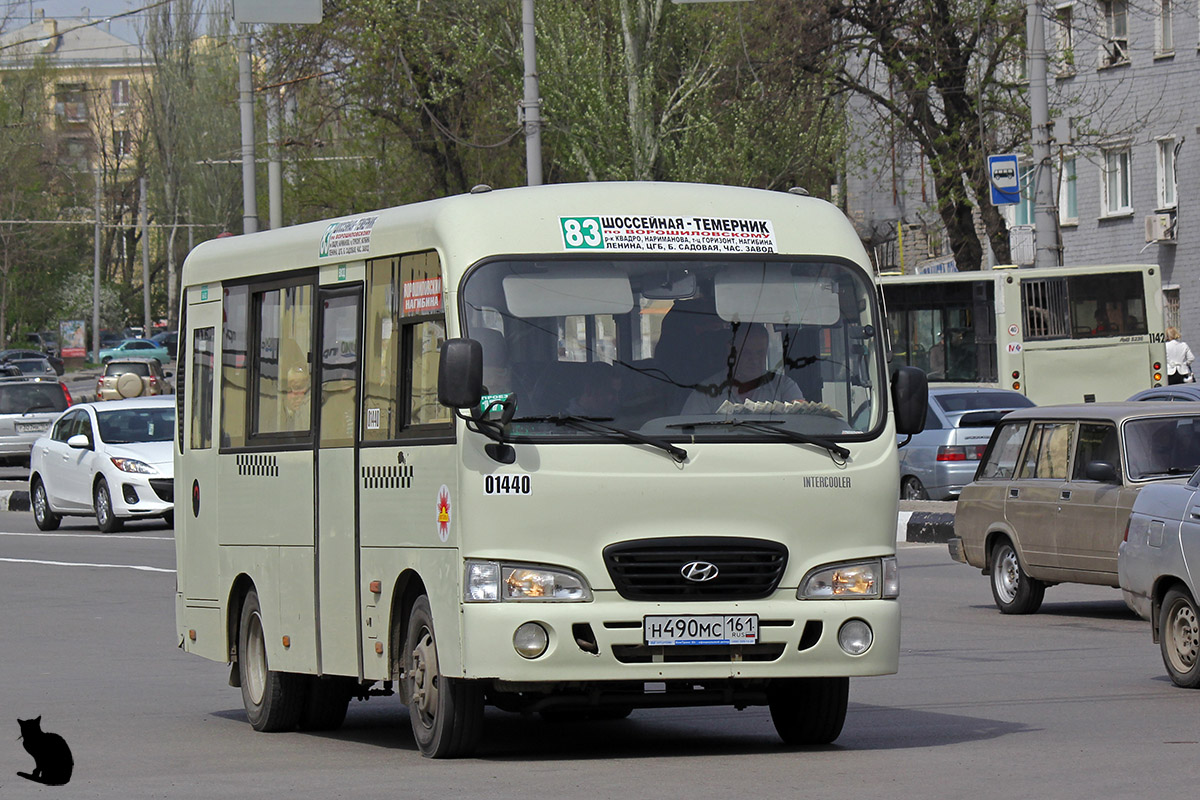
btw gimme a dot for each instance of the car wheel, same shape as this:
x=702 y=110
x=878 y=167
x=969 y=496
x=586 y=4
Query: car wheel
x=912 y=489
x=46 y=519
x=808 y=711
x=169 y=518
x=106 y=359
x=106 y=519
x=1179 y=638
x=1012 y=588
x=446 y=713
x=273 y=700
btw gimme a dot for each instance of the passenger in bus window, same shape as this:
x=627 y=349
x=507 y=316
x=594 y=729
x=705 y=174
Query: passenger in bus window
x=296 y=405
x=750 y=378
x=1119 y=321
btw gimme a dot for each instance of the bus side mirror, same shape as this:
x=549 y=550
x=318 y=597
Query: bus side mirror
x=460 y=373
x=910 y=398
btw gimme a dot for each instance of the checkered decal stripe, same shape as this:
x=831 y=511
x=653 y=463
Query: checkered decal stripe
x=258 y=466
x=387 y=477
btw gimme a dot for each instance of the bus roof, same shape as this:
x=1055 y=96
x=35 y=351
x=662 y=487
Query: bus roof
x=526 y=220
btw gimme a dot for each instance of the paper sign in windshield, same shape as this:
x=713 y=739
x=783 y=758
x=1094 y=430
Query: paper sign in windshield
x=668 y=234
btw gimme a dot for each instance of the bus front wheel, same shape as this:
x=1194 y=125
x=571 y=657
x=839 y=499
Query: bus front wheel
x=273 y=700
x=446 y=713
x=808 y=711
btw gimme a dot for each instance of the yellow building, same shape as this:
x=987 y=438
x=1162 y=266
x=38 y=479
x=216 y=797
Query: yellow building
x=94 y=86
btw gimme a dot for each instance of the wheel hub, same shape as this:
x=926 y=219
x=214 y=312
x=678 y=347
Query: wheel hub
x=1185 y=636
x=424 y=675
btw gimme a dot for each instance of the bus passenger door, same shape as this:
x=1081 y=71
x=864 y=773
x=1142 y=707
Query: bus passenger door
x=336 y=485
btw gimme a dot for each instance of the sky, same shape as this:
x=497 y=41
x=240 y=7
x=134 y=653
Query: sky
x=74 y=11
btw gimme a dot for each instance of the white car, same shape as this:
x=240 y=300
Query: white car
x=112 y=460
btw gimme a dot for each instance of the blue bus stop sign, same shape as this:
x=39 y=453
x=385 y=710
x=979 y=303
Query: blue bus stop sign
x=1004 y=176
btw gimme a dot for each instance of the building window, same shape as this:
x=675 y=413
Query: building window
x=1166 y=173
x=1170 y=306
x=1114 y=189
x=1115 y=45
x=1068 y=204
x=1023 y=212
x=1064 y=39
x=1164 y=39
x=70 y=102
x=120 y=92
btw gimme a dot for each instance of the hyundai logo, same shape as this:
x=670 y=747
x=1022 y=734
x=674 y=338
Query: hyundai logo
x=699 y=571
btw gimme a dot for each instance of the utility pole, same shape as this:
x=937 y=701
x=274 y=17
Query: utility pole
x=531 y=105
x=246 y=104
x=96 y=277
x=1045 y=222
x=144 y=213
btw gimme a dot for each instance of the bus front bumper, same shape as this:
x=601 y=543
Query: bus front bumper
x=603 y=640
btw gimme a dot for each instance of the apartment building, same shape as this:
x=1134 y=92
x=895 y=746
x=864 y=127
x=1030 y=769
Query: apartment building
x=93 y=85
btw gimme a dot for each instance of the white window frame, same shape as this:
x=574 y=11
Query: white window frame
x=1168 y=195
x=1064 y=38
x=121 y=92
x=1164 y=34
x=1114 y=33
x=1068 y=190
x=1116 y=181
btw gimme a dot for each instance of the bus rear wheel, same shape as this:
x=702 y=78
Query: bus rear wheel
x=446 y=713
x=273 y=700
x=808 y=711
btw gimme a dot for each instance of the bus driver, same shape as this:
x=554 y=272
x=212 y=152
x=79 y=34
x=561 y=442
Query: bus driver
x=749 y=378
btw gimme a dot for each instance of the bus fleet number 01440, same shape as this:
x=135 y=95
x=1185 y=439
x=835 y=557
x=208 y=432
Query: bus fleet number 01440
x=506 y=484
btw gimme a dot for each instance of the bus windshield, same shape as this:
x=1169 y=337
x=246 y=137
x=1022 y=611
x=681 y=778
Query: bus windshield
x=685 y=349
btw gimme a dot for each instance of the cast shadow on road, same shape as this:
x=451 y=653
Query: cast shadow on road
x=690 y=733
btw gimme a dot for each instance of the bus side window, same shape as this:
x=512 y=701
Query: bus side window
x=202 y=388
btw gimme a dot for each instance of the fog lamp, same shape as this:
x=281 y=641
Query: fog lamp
x=531 y=640
x=855 y=637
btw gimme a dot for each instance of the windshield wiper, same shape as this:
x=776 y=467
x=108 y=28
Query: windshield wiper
x=597 y=424
x=763 y=426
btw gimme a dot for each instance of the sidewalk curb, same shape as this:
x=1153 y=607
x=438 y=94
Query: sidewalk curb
x=925 y=526
x=14 y=500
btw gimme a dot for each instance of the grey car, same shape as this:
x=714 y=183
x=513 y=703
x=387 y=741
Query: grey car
x=938 y=462
x=27 y=407
x=1053 y=495
x=1155 y=565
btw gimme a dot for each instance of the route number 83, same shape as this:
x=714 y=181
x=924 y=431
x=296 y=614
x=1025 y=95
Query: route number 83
x=582 y=233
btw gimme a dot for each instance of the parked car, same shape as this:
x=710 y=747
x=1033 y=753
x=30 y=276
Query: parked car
x=111 y=460
x=27 y=408
x=132 y=377
x=1186 y=392
x=45 y=341
x=55 y=361
x=1155 y=566
x=110 y=338
x=167 y=339
x=1052 y=496
x=135 y=348
x=939 y=461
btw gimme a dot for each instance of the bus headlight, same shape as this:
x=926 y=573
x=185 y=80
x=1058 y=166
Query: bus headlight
x=852 y=580
x=492 y=581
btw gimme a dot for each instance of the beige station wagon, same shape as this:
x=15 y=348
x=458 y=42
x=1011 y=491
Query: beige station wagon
x=1051 y=498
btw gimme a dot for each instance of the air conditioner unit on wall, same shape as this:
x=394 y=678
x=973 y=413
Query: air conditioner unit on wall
x=1160 y=228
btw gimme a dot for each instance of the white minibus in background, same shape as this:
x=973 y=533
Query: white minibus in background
x=1077 y=334
x=569 y=449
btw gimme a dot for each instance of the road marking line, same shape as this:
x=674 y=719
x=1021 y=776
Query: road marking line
x=81 y=564
x=92 y=536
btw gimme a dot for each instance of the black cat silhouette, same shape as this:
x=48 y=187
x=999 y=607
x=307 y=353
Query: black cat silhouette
x=52 y=758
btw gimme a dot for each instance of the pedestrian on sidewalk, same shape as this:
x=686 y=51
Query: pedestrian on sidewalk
x=1179 y=358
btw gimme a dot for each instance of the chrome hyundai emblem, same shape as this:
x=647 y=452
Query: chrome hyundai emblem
x=699 y=571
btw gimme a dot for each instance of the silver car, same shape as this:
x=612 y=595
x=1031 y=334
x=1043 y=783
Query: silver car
x=27 y=407
x=1155 y=565
x=942 y=459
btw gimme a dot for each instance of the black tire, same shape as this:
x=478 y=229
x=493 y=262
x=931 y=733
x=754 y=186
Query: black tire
x=106 y=518
x=912 y=489
x=45 y=519
x=1012 y=589
x=273 y=700
x=446 y=713
x=1179 y=638
x=325 y=703
x=808 y=711
x=169 y=518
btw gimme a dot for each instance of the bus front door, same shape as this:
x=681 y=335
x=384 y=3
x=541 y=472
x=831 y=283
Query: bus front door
x=339 y=616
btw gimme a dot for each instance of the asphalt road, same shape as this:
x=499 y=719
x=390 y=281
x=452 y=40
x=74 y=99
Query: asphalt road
x=1072 y=702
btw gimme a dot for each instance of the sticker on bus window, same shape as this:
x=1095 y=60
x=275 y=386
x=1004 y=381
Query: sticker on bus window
x=373 y=419
x=422 y=296
x=508 y=484
x=443 y=513
x=668 y=234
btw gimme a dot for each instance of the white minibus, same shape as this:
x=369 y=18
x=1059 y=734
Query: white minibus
x=572 y=450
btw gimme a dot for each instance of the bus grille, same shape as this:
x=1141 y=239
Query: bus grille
x=652 y=569
x=164 y=488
